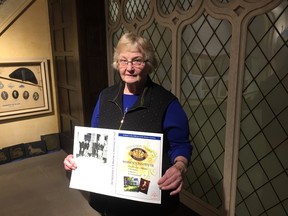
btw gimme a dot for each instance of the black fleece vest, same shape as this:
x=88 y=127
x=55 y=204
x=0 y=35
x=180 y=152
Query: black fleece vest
x=146 y=115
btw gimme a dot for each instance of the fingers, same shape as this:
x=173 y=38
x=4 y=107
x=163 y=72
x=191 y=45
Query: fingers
x=171 y=180
x=178 y=189
x=69 y=163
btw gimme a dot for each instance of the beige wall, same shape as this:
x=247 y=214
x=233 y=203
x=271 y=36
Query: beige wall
x=28 y=38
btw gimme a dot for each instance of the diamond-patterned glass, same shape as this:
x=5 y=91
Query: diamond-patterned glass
x=113 y=11
x=262 y=169
x=116 y=37
x=168 y=6
x=160 y=37
x=137 y=8
x=204 y=71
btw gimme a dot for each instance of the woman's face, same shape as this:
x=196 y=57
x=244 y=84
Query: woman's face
x=132 y=67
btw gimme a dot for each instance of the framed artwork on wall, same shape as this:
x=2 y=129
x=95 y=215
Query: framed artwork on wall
x=24 y=89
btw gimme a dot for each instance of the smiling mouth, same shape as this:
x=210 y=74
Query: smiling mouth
x=131 y=75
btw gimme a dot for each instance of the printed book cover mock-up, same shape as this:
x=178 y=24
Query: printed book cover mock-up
x=119 y=163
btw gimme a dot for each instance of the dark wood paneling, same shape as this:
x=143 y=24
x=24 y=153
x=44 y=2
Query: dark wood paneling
x=79 y=55
x=92 y=43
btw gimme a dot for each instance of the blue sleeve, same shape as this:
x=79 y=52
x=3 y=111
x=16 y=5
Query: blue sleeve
x=95 y=116
x=176 y=126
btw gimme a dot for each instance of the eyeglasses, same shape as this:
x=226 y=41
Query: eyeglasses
x=135 y=62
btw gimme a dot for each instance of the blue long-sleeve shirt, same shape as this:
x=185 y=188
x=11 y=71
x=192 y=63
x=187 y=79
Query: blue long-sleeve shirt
x=175 y=125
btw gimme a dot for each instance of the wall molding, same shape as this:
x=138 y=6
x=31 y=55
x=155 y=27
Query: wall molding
x=10 y=11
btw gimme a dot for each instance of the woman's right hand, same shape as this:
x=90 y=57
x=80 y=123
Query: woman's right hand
x=69 y=163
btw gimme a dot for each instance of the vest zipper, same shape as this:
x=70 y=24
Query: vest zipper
x=122 y=120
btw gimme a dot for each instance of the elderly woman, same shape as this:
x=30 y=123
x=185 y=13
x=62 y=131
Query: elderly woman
x=138 y=104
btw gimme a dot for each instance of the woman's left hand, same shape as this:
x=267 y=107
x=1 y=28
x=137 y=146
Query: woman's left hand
x=172 y=180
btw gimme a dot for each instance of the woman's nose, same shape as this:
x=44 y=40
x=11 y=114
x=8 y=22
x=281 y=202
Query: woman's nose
x=130 y=67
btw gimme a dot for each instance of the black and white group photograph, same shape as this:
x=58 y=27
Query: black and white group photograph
x=93 y=145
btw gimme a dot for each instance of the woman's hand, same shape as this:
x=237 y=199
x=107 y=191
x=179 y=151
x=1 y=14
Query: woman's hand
x=69 y=163
x=173 y=178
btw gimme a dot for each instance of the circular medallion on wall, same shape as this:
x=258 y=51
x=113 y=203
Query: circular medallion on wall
x=15 y=94
x=4 y=95
x=35 y=96
x=25 y=95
